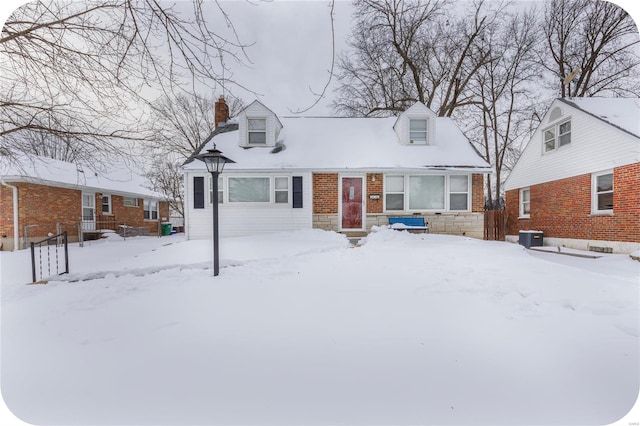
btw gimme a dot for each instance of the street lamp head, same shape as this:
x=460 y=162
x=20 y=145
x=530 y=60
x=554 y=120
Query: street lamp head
x=214 y=160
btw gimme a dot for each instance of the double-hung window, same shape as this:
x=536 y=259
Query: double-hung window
x=556 y=136
x=220 y=190
x=525 y=202
x=602 y=193
x=418 y=131
x=458 y=192
x=150 y=209
x=394 y=192
x=281 y=185
x=257 y=131
x=106 y=204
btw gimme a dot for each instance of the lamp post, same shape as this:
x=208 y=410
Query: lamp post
x=215 y=161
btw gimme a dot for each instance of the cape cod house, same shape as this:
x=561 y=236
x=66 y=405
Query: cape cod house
x=339 y=174
x=578 y=179
x=41 y=197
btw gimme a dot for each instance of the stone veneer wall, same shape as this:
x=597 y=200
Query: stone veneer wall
x=465 y=223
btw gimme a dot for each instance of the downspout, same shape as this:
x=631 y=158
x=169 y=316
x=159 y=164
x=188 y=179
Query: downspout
x=16 y=221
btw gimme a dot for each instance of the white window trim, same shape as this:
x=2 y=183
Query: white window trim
x=136 y=204
x=556 y=141
x=447 y=193
x=426 y=131
x=157 y=210
x=110 y=203
x=594 y=193
x=288 y=190
x=521 y=212
x=384 y=193
x=272 y=191
x=221 y=188
x=266 y=131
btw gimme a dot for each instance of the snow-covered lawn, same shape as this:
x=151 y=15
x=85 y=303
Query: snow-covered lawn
x=300 y=328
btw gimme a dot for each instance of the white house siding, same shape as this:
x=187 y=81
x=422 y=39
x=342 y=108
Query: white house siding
x=236 y=219
x=591 y=150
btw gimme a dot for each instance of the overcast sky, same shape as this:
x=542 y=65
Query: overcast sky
x=291 y=52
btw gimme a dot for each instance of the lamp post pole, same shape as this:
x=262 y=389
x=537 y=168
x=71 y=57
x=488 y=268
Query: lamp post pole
x=216 y=245
x=215 y=161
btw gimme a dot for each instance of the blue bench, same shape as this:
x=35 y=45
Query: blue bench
x=409 y=223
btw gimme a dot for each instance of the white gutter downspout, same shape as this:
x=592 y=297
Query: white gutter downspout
x=16 y=222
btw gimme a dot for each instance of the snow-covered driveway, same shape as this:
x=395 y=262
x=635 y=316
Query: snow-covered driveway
x=299 y=328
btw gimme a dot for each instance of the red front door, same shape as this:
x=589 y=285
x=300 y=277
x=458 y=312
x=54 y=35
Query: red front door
x=351 y=203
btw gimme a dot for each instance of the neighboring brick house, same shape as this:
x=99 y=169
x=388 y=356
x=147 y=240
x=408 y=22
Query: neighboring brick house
x=578 y=179
x=340 y=174
x=54 y=196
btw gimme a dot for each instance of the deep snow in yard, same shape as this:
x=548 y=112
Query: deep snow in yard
x=300 y=328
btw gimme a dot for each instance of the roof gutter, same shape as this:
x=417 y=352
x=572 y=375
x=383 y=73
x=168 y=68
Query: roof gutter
x=16 y=220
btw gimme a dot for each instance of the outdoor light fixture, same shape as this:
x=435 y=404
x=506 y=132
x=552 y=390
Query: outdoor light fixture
x=215 y=161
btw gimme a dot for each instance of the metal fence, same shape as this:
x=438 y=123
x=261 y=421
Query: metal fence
x=50 y=257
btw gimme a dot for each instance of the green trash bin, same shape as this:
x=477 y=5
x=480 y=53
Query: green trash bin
x=166 y=228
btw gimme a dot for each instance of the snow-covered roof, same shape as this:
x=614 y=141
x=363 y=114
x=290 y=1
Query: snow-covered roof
x=329 y=143
x=604 y=135
x=620 y=112
x=46 y=171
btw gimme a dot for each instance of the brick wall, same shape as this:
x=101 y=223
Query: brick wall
x=374 y=187
x=562 y=209
x=42 y=208
x=133 y=216
x=477 y=193
x=325 y=193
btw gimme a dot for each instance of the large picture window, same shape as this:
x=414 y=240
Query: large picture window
x=426 y=192
x=602 y=192
x=249 y=189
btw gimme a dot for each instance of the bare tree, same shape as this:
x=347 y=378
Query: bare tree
x=57 y=147
x=165 y=177
x=502 y=117
x=180 y=124
x=407 y=51
x=591 y=49
x=81 y=70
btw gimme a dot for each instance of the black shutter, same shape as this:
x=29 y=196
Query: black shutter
x=297 y=191
x=198 y=192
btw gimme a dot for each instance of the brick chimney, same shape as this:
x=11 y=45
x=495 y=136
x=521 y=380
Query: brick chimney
x=221 y=112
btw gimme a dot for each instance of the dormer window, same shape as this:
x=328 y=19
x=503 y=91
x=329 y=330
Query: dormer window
x=257 y=131
x=557 y=135
x=417 y=131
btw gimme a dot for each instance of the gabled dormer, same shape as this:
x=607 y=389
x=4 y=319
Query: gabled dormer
x=258 y=126
x=416 y=126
